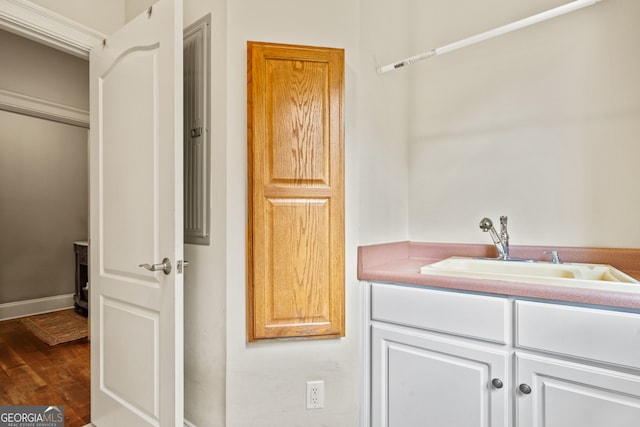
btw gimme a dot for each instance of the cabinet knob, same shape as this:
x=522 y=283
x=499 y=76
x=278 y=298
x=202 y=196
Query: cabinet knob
x=496 y=383
x=524 y=388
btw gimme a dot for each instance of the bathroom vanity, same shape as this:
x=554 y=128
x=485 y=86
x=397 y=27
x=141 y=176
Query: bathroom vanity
x=448 y=351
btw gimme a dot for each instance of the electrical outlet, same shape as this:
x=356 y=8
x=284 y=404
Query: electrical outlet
x=315 y=394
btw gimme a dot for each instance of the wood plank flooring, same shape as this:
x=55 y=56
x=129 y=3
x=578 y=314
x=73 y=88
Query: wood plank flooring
x=33 y=373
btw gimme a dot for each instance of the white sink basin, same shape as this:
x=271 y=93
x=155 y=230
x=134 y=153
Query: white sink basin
x=595 y=276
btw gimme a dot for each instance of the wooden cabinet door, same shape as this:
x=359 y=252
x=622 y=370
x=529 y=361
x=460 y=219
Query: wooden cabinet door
x=566 y=394
x=420 y=380
x=295 y=246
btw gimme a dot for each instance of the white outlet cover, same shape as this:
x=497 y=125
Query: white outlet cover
x=315 y=394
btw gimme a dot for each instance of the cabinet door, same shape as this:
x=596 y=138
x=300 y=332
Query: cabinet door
x=295 y=246
x=421 y=380
x=567 y=394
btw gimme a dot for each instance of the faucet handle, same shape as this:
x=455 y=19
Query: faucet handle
x=555 y=258
x=486 y=224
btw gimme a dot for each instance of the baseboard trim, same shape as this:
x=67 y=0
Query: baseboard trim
x=11 y=310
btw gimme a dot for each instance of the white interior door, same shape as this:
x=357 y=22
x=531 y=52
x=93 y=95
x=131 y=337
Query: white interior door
x=136 y=218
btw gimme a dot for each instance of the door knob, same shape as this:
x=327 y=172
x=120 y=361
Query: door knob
x=496 y=383
x=165 y=266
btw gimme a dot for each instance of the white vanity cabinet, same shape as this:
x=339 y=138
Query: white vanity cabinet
x=420 y=377
x=440 y=358
x=582 y=367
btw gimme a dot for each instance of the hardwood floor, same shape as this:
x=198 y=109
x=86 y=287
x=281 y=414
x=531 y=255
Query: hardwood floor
x=33 y=373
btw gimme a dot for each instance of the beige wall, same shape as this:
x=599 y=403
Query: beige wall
x=33 y=69
x=541 y=124
x=43 y=173
x=43 y=206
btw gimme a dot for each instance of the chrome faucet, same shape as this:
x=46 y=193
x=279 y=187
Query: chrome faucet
x=501 y=242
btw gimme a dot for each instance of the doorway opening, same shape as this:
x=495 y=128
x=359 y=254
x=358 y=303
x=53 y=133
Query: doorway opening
x=44 y=199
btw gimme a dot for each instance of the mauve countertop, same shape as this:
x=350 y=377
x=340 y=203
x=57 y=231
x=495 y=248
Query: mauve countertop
x=400 y=262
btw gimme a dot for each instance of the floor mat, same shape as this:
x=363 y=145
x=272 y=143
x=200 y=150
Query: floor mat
x=57 y=327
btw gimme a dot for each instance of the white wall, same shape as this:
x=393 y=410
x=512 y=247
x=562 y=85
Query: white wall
x=541 y=124
x=266 y=381
x=133 y=8
x=206 y=280
x=229 y=382
x=105 y=16
x=383 y=123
